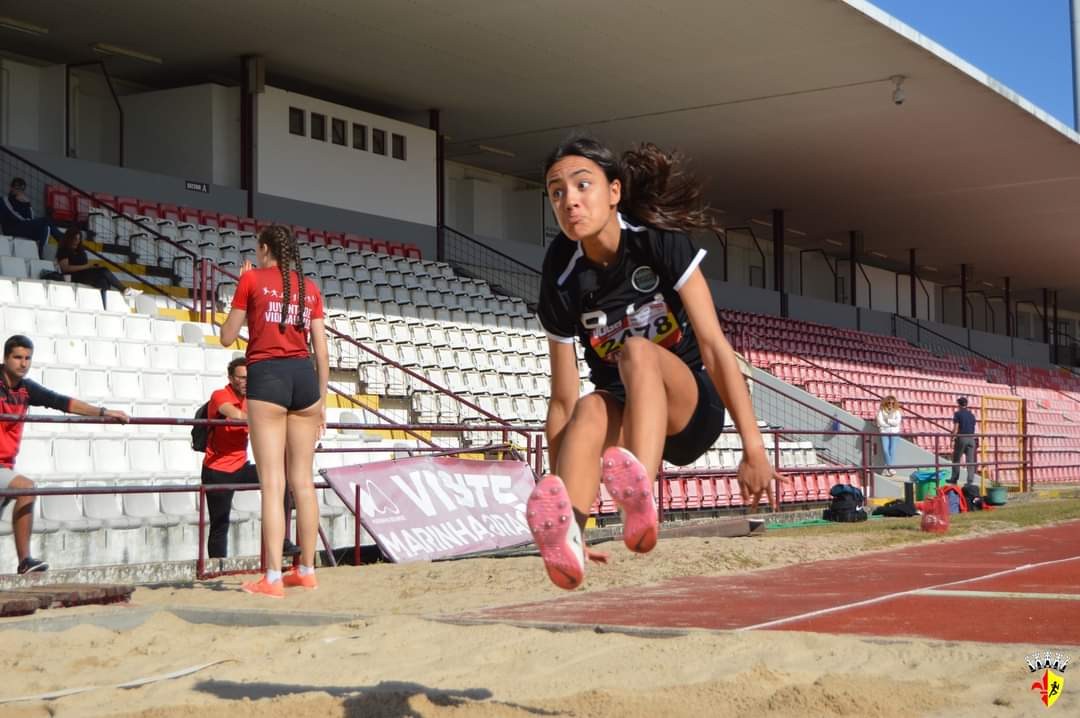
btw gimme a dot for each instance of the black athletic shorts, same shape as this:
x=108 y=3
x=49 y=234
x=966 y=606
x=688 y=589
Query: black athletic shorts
x=700 y=432
x=290 y=383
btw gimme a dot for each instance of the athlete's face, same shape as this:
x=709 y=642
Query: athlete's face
x=583 y=199
x=17 y=363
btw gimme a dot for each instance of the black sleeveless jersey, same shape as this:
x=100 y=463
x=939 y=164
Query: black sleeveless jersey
x=636 y=295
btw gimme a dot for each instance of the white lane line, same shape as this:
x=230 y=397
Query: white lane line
x=1000 y=594
x=898 y=594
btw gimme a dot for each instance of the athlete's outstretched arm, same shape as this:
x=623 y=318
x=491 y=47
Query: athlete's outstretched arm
x=565 y=389
x=756 y=471
x=230 y=330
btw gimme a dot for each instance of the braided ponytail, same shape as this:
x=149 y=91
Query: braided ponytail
x=297 y=264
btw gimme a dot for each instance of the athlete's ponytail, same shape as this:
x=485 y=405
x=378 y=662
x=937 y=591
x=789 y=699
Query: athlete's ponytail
x=656 y=188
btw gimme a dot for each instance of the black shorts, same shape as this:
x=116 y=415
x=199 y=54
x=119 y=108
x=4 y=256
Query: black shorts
x=699 y=434
x=290 y=383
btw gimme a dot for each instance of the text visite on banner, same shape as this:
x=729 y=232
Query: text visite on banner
x=425 y=508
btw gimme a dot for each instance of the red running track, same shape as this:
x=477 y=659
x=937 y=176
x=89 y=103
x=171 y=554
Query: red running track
x=905 y=592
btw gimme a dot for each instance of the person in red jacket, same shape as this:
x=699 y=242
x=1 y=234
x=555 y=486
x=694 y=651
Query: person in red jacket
x=286 y=395
x=17 y=395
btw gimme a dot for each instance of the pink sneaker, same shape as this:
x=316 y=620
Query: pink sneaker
x=626 y=481
x=556 y=533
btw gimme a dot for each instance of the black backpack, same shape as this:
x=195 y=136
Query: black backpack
x=971 y=495
x=846 y=506
x=200 y=433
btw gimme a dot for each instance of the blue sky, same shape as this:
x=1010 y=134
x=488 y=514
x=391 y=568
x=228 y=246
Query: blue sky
x=1024 y=44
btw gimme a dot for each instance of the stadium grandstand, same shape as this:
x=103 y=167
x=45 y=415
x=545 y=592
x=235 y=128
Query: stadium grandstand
x=896 y=223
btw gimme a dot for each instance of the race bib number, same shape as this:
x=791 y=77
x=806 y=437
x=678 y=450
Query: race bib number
x=653 y=321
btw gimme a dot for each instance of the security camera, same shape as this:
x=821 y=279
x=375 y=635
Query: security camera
x=898 y=95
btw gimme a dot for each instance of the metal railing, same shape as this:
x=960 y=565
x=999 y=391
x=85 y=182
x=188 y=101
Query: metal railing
x=915 y=333
x=506 y=275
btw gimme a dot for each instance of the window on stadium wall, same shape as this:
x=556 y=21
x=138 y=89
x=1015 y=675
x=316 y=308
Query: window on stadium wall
x=296 y=122
x=397 y=146
x=337 y=131
x=318 y=127
x=378 y=141
x=359 y=136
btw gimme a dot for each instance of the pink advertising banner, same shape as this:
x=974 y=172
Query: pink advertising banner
x=426 y=508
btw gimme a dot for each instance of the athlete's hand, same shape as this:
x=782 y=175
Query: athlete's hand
x=756 y=476
x=596 y=556
x=117 y=414
x=246 y=266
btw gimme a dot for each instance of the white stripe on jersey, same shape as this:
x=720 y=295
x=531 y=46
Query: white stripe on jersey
x=579 y=253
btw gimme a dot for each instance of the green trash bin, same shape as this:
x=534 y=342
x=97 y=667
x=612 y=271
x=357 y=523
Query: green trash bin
x=927 y=482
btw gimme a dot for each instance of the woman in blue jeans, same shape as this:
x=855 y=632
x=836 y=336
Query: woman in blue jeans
x=888 y=423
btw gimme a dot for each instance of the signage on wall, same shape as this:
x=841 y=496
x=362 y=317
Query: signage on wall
x=203 y=187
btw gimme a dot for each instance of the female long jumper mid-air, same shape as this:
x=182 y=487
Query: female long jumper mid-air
x=623 y=279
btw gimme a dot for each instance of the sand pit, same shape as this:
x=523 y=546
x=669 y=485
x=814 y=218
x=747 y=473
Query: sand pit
x=394 y=659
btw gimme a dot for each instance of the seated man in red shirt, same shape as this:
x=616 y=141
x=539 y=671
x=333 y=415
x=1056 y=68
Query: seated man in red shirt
x=226 y=459
x=17 y=395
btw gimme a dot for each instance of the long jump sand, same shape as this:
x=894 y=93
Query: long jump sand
x=398 y=661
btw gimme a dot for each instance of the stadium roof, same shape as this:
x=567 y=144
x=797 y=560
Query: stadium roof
x=780 y=104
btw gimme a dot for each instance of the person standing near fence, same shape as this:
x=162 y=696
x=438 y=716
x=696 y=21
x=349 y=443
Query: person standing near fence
x=964 y=441
x=623 y=278
x=286 y=395
x=17 y=395
x=888 y=422
x=226 y=458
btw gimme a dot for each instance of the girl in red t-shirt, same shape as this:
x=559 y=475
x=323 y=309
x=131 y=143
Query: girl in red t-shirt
x=286 y=395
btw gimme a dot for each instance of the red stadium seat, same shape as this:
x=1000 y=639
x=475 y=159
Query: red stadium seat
x=229 y=222
x=379 y=246
x=83 y=203
x=365 y=244
x=351 y=240
x=412 y=251
x=149 y=209
x=261 y=224
x=733 y=491
x=302 y=235
x=335 y=238
x=317 y=236
x=247 y=224
x=395 y=249
x=59 y=203
x=693 y=494
x=677 y=493
x=708 y=492
x=169 y=213
x=128 y=206
x=208 y=218
x=607 y=504
x=189 y=216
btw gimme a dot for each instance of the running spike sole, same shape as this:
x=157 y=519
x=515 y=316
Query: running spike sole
x=631 y=488
x=551 y=520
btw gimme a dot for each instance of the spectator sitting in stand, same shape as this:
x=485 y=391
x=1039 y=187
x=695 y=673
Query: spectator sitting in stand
x=71 y=259
x=17 y=395
x=226 y=459
x=17 y=217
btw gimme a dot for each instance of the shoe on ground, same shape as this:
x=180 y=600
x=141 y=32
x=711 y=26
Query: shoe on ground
x=32 y=565
x=265 y=588
x=556 y=532
x=132 y=292
x=631 y=488
x=292 y=578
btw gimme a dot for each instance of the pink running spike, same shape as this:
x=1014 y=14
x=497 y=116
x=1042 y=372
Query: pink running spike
x=638 y=507
x=559 y=543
